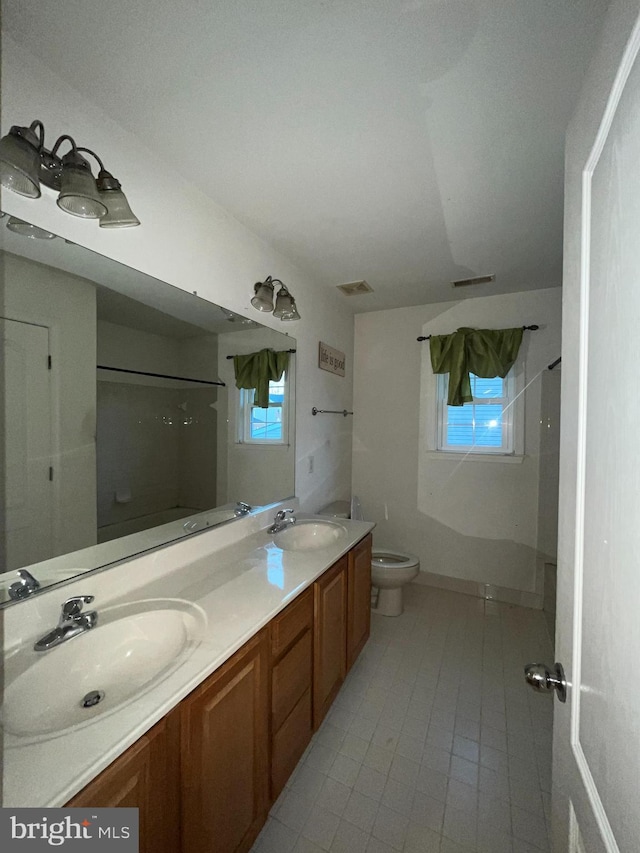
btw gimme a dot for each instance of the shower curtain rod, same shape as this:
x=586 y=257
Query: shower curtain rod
x=525 y=328
x=161 y=375
x=286 y=350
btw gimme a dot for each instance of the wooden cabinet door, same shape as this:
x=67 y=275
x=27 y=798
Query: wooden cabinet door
x=144 y=777
x=225 y=774
x=359 y=608
x=330 y=637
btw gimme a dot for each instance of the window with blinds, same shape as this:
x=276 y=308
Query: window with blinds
x=485 y=425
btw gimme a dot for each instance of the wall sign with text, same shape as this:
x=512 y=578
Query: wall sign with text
x=331 y=359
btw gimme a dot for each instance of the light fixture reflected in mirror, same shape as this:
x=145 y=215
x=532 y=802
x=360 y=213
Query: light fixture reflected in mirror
x=26 y=229
x=25 y=164
x=285 y=305
x=238 y=318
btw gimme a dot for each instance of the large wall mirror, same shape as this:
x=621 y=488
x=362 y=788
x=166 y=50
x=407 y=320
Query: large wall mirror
x=121 y=426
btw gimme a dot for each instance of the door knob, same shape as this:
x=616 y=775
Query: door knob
x=541 y=678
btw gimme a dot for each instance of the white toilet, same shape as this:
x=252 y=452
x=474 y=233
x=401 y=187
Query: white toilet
x=390 y=569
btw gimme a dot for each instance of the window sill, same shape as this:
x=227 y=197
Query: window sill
x=443 y=455
x=262 y=445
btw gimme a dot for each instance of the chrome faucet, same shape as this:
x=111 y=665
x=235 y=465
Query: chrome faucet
x=281 y=521
x=242 y=508
x=24 y=587
x=72 y=622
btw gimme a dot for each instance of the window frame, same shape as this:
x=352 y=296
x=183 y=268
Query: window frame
x=244 y=416
x=510 y=437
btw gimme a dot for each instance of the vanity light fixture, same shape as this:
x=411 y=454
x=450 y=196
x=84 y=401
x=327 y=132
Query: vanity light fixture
x=285 y=306
x=263 y=299
x=78 y=189
x=25 y=164
x=119 y=214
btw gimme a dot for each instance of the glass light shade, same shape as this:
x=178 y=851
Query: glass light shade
x=119 y=214
x=26 y=229
x=293 y=313
x=263 y=299
x=19 y=166
x=284 y=303
x=79 y=194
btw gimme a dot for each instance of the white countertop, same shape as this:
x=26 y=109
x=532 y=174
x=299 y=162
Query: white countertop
x=237 y=576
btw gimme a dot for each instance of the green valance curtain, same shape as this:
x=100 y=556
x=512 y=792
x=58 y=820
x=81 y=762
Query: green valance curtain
x=257 y=369
x=485 y=352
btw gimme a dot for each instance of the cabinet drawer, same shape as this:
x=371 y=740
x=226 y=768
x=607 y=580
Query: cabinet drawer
x=290 y=679
x=289 y=624
x=289 y=743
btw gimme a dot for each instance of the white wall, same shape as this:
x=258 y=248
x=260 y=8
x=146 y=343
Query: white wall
x=133 y=349
x=201 y=422
x=157 y=438
x=549 y=464
x=66 y=305
x=471 y=520
x=138 y=450
x=187 y=240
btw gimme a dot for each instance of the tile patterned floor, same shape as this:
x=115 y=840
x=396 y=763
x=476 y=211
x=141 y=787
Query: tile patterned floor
x=434 y=744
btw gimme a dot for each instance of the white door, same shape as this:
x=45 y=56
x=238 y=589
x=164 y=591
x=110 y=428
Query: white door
x=27 y=498
x=596 y=770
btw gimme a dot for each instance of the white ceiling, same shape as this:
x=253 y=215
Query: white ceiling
x=405 y=142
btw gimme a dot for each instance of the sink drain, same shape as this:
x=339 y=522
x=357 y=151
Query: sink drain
x=92 y=699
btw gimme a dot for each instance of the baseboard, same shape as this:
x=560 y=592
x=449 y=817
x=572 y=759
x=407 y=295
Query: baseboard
x=488 y=591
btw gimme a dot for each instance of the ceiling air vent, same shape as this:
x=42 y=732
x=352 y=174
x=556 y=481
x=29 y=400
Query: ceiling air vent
x=466 y=282
x=355 y=288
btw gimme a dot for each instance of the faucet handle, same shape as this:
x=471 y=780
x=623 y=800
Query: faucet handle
x=73 y=606
x=24 y=587
x=280 y=515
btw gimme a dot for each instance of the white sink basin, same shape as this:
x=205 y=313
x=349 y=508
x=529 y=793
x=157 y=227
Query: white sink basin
x=309 y=535
x=133 y=647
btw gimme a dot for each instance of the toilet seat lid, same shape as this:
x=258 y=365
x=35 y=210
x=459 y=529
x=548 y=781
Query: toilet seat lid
x=389 y=559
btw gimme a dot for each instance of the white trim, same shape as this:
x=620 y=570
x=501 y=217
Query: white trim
x=576 y=844
x=597 y=806
x=454 y=456
x=486 y=591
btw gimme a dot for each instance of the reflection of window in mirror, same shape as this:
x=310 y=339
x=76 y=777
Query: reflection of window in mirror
x=258 y=425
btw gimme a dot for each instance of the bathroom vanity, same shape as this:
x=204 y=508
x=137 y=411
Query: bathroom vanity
x=205 y=764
